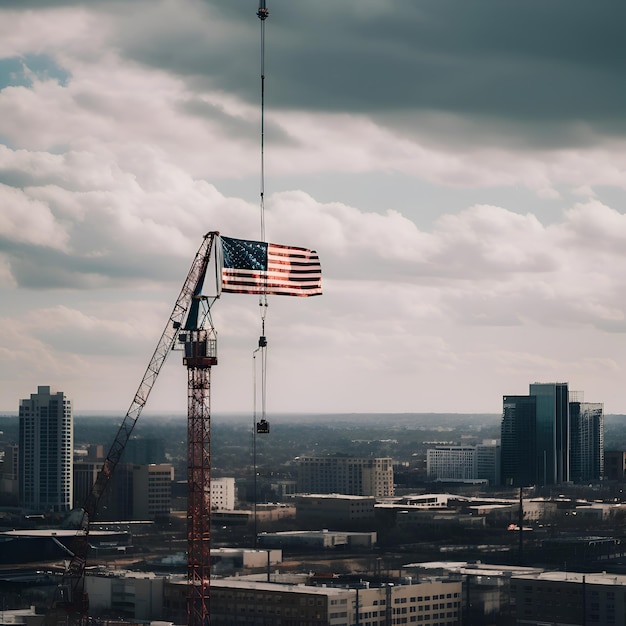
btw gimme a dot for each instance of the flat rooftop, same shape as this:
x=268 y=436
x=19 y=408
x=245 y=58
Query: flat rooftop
x=597 y=578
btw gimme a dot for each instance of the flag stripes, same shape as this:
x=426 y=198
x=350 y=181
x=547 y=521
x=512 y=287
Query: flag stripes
x=256 y=267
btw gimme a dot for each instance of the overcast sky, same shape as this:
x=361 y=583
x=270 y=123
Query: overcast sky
x=459 y=167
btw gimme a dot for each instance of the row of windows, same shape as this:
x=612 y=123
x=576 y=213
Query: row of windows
x=449 y=620
x=271 y=597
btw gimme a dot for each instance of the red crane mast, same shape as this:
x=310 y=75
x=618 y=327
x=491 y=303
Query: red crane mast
x=200 y=353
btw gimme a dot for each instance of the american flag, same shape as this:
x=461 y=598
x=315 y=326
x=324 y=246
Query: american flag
x=259 y=267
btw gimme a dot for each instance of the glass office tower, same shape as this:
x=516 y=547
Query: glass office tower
x=552 y=432
x=519 y=441
x=586 y=441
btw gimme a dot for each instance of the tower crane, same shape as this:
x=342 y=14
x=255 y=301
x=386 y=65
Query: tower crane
x=196 y=335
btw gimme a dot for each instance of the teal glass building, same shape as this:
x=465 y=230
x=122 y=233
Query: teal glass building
x=551 y=437
x=552 y=424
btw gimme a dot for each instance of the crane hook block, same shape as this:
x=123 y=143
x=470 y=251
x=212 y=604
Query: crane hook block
x=263 y=12
x=262 y=341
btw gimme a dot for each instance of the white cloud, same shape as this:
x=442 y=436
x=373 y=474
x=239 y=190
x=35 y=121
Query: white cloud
x=28 y=221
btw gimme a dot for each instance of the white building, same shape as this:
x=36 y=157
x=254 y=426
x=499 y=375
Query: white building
x=451 y=463
x=223 y=494
x=46 y=443
x=465 y=463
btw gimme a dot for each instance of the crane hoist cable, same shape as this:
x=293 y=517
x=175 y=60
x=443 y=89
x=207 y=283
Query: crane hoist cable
x=262 y=14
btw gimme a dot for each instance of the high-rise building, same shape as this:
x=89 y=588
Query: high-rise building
x=551 y=437
x=586 y=441
x=347 y=475
x=552 y=428
x=519 y=441
x=46 y=442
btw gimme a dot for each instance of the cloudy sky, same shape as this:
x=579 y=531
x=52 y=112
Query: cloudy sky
x=459 y=166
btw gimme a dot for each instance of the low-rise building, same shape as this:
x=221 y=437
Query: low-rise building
x=274 y=511
x=318 y=539
x=348 y=475
x=396 y=515
x=131 y=595
x=486 y=587
x=332 y=509
x=452 y=463
x=231 y=560
x=244 y=601
x=20 y=617
x=569 y=598
x=38 y=545
x=270 y=512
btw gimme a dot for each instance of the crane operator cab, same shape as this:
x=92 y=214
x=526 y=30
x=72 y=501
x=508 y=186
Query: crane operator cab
x=200 y=348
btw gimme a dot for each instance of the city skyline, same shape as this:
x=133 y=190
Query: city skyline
x=458 y=167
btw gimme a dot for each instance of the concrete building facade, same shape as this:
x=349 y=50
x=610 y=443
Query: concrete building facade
x=152 y=490
x=223 y=493
x=346 y=475
x=569 y=598
x=465 y=463
x=130 y=595
x=236 y=601
x=451 y=463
